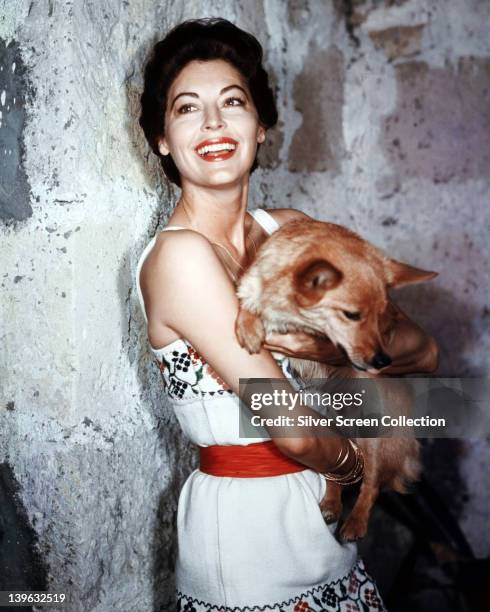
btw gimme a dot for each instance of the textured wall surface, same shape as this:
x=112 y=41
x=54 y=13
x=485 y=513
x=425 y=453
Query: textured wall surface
x=384 y=127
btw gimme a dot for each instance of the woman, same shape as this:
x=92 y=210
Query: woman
x=257 y=541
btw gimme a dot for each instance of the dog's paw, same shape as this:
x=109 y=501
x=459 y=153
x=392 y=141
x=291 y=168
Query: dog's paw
x=249 y=331
x=331 y=510
x=353 y=529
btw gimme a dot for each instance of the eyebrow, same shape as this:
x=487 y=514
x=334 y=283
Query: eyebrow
x=192 y=94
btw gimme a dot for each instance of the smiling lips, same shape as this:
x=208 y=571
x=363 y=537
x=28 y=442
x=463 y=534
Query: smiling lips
x=216 y=149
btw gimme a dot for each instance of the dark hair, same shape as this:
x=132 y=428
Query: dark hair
x=201 y=39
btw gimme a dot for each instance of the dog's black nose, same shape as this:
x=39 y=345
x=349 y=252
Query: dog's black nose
x=380 y=360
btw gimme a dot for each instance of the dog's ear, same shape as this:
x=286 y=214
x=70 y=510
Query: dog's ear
x=312 y=279
x=399 y=274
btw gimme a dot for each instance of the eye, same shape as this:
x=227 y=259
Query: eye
x=185 y=108
x=234 y=101
x=352 y=316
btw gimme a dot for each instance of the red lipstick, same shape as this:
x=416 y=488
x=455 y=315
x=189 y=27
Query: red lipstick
x=216 y=149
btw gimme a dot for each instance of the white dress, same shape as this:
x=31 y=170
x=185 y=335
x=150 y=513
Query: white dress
x=250 y=543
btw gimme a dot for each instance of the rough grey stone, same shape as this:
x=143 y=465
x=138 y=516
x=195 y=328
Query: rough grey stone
x=440 y=128
x=14 y=187
x=317 y=144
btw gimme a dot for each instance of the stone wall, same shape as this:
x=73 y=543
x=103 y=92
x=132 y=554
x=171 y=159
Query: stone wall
x=384 y=127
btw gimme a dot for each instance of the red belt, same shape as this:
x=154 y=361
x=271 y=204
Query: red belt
x=251 y=461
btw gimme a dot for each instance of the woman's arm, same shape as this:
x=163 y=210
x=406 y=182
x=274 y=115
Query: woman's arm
x=190 y=292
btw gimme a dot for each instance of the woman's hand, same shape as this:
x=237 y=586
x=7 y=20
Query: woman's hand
x=409 y=347
x=305 y=346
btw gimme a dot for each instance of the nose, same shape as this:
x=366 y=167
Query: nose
x=213 y=119
x=380 y=360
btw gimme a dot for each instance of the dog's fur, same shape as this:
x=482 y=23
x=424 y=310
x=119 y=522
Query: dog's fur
x=325 y=280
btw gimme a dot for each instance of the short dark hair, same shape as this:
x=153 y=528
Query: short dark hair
x=202 y=40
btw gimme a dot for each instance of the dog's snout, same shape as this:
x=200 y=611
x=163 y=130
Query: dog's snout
x=380 y=360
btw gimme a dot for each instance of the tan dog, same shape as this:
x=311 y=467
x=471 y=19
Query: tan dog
x=323 y=279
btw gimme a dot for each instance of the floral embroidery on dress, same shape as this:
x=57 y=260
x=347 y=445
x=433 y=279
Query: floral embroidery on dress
x=185 y=374
x=356 y=592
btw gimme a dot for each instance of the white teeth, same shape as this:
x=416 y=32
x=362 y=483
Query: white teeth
x=222 y=146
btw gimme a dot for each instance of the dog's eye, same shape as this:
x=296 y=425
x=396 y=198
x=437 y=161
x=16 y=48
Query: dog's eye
x=352 y=316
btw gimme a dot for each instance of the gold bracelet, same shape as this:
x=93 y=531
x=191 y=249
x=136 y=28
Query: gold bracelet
x=338 y=463
x=355 y=475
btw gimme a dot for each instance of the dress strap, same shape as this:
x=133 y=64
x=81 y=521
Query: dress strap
x=265 y=220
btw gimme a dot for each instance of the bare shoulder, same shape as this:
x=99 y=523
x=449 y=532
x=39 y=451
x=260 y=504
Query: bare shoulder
x=177 y=261
x=175 y=251
x=283 y=215
x=182 y=238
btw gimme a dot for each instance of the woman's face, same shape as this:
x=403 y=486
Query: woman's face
x=211 y=124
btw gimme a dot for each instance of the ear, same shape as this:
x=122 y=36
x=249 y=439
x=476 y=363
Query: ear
x=399 y=274
x=260 y=134
x=163 y=148
x=313 y=279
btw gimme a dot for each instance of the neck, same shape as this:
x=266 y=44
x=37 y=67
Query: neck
x=218 y=214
